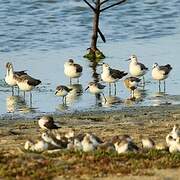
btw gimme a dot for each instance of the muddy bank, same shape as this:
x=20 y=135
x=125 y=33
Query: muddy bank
x=154 y=122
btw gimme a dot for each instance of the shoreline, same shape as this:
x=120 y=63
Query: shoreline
x=154 y=122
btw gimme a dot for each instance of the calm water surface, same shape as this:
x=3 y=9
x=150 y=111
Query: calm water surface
x=40 y=35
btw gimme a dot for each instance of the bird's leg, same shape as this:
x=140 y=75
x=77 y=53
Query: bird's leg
x=65 y=100
x=115 y=89
x=18 y=90
x=109 y=88
x=70 y=81
x=143 y=82
x=30 y=99
x=164 y=86
x=12 y=90
x=159 y=86
x=78 y=80
x=104 y=97
x=24 y=95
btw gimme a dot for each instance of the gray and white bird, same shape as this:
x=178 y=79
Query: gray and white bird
x=27 y=83
x=72 y=70
x=136 y=68
x=11 y=75
x=161 y=73
x=96 y=88
x=63 y=92
x=110 y=75
x=47 y=123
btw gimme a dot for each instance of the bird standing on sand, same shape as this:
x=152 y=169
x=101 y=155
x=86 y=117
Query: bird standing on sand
x=62 y=91
x=47 y=123
x=72 y=70
x=11 y=75
x=136 y=68
x=161 y=73
x=110 y=75
x=96 y=88
x=131 y=83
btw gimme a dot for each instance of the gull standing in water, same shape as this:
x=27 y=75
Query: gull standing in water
x=11 y=75
x=161 y=73
x=27 y=83
x=72 y=70
x=110 y=75
x=62 y=91
x=96 y=88
x=136 y=68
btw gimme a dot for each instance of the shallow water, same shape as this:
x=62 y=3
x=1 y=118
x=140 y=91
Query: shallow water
x=40 y=35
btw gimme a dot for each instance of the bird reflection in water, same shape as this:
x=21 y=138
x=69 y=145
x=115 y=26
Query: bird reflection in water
x=75 y=94
x=17 y=104
x=111 y=100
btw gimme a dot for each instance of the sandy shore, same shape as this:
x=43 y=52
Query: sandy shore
x=154 y=122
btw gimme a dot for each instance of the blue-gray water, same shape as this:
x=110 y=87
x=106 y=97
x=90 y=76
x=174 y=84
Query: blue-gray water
x=40 y=35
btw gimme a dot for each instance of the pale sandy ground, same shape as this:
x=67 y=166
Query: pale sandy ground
x=155 y=122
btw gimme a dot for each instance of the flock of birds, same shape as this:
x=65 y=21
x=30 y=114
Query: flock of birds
x=25 y=82
x=54 y=139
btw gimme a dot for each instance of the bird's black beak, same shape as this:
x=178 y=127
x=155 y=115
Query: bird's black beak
x=56 y=92
x=87 y=88
x=128 y=59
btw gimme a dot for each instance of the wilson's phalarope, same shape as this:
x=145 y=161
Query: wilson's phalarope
x=96 y=88
x=11 y=75
x=72 y=70
x=47 y=122
x=161 y=73
x=175 y=146
x=63 y=92
x=110 y=75
x=136 y=68
x=87 y=144
x=27 y=83
x=131 y=84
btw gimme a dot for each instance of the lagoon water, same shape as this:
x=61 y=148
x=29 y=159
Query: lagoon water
x=40 y=35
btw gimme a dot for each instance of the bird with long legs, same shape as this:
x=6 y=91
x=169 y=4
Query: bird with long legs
x=10 y=77
x=131 y=83
x=27 y=83
x=72 y=70
x=110 y=76
x=63 y=92
x=161 y=73
x=136 y=68
x=96 y=88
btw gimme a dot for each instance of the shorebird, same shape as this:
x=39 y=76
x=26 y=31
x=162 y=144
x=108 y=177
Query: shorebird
x=110 y=75
x=72 y=70
x=131 y=84
x=49 y=138
x=175 y=146
x=62 y=91
x=11 y=75
x=123 y=146
x=96 y=88
x=161 y=73
x=47 y=123
x=27 y=83
x=136 y=68
x=87 y=144
x=40 y=146
x=147 y=143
